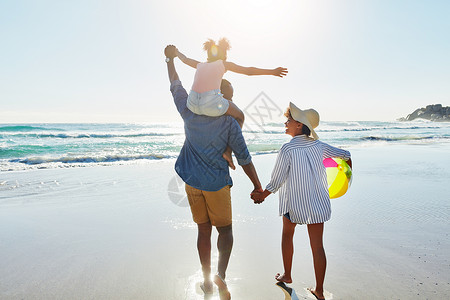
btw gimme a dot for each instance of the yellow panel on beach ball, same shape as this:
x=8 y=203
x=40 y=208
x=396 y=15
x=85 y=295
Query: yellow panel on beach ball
x=339 y=186
x=339 y=176
x=331 y=175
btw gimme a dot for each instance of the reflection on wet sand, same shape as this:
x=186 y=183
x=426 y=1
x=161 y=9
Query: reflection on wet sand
x=289 y=293
x=194 y=290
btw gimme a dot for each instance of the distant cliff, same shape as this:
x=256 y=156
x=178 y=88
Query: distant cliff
x=435 y=112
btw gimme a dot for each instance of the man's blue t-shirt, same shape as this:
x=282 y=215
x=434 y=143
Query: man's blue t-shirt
x=200 y=163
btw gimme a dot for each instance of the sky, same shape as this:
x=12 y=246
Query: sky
x=103 y=61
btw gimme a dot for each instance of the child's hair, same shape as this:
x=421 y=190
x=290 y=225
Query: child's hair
x=305 y=129
x=216 y=52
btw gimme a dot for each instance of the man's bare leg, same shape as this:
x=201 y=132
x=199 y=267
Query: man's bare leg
x=204 y=252
x=224 y=245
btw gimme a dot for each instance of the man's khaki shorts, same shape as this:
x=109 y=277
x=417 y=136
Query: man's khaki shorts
x=214 y=207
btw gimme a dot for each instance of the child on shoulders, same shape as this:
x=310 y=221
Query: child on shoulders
x=205 y=97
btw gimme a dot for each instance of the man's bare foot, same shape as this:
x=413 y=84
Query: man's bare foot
x=319 y=296
x=207 y=287
x=227 y=156
x=283 y=278
x=224 y=294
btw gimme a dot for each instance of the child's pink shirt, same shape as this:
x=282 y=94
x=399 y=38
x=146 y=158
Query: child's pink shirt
x=208 y=76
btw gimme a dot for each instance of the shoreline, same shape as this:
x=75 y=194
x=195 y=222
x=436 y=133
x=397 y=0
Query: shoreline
x=155 y=159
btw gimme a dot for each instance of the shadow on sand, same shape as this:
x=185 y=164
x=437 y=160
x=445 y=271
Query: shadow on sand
x=289 y=293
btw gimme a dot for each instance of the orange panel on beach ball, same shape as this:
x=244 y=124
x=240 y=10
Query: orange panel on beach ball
x=339 y=176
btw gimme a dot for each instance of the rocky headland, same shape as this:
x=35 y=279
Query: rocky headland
x=434 y=112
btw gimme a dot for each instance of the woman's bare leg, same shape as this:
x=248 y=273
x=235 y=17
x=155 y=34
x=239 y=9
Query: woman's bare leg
x=287 y=250
x=315 y=232
x=238 y=115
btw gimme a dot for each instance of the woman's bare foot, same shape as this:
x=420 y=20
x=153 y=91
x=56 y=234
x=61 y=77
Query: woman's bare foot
x=283 y=278
x=227 y=156
x=224 y=294
x=319 y=296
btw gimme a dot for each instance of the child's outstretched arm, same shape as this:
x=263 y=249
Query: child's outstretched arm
x=189 y=61
x=250 y=71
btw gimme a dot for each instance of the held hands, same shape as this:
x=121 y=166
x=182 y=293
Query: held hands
x=280 y=72
x=257 y=196
x=171 y=51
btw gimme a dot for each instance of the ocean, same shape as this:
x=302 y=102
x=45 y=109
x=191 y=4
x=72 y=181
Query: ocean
x=44 y=146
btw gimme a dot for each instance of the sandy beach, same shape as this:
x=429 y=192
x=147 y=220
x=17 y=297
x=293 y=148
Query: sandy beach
x=125 y=232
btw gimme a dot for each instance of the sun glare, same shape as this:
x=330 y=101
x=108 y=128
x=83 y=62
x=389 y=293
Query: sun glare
x=267 y=19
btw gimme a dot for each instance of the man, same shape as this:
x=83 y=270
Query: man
x=205 y=172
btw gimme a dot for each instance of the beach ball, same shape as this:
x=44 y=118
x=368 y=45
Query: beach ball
x=339 y=176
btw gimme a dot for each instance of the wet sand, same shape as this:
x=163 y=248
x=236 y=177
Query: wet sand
x=124 y=232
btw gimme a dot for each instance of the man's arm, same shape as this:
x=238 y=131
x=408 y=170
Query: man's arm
x=178 y=92
x=250 y=170
x=237 y=143
x=171 y=52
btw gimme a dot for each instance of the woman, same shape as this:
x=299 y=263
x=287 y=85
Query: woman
x=300 y=176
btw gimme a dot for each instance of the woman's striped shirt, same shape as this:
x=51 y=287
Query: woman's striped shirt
x=300 y=176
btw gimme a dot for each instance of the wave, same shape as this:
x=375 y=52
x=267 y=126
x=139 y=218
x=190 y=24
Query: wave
x=22 y=128
x=89 y=136
x=8 y=152
x=340 y=129
x=266 y=152
x=262 y=129
x=378 y=128
x=263 y=148
x=87 y=159
x=401 y=138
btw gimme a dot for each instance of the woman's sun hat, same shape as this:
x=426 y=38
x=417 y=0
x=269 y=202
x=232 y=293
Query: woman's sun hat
x=309 y=117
